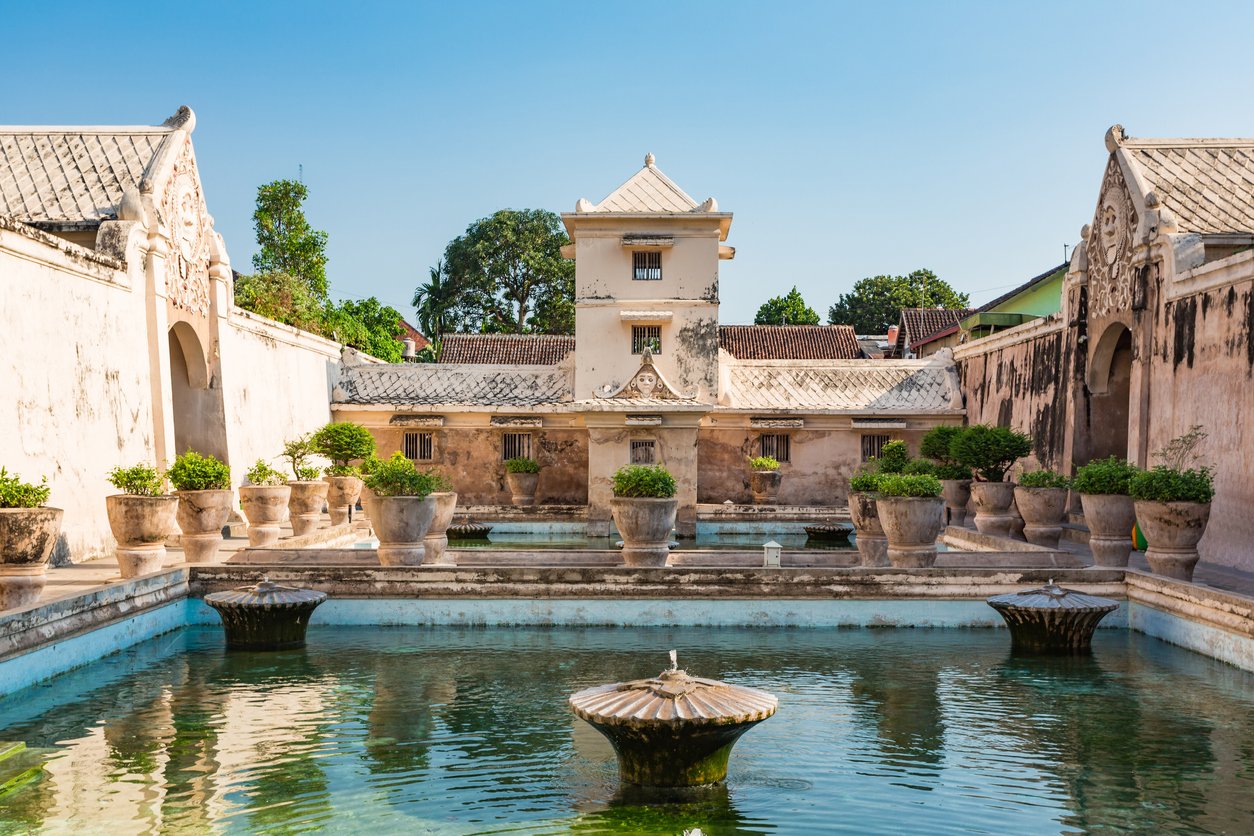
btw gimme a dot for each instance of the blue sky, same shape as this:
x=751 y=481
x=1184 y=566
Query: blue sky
x=849 y=139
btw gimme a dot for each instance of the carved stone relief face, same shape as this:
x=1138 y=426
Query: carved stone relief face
x=646 y=382
x=1111 y=229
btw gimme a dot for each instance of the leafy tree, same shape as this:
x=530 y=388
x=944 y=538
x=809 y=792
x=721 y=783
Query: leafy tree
x=367 y=325
x=875 y=303
x=786 y=310
x=288 y=243
x=281 y=297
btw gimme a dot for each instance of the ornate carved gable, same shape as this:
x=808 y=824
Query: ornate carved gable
x=184 y=213
x=647 y=382
x=1109 y=246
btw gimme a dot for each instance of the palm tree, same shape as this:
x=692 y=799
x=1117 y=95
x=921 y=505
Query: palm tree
x=432 y=301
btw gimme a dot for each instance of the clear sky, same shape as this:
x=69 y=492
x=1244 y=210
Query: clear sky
x=848 y=139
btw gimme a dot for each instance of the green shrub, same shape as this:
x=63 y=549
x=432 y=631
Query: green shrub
x=893 y=457
x=140 y=480
x=989 y=451
x=522 y=464
x=918 y=467
x=194 y=472
x=263 y=475
x=14 y=493
x=644 y=480
x=1104 y=476
x=439 y=482
x=298 y=453
x=1044 y=479
x=938 y=442
x=950 y=470
x=368 y=465
x=397 y=476
x=764 y=463
x=905 y=484
x=865 y=481
x=343 y=442
x=1166 y=484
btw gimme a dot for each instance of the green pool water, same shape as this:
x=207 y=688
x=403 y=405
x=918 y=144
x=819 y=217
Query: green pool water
x=444 y=730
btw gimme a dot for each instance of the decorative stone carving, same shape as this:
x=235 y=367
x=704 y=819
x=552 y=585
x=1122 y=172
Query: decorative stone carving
x=416 y=420
x=647 y=383
x=183 y=210
x=643 y=420
x=1109 y=246
x=516 y=421
x=776 y=423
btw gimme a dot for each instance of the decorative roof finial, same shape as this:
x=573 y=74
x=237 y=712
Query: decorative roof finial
x=1114 y=138
x=649 y=160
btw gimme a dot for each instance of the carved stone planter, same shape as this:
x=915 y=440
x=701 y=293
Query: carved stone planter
x=1052 y=619
x=1172 y=531
x=341 y=496
x=1109 y=518
x=265 y=506
x=868 y=533
x=911 y=524
x=645 y=524
x=200 y=516
x=27 y=537
x=992 y=507
x=522 y=488
x=1042 y=510
x=141 y=525
x=957 y=493
x=765 y=486
x=304 y=505
x=401 y=523
x=266 y=616
x=1016 y=520
x=436 y=541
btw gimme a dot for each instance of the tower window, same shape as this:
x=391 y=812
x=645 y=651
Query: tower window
x=515 y=446
x=776 y=446
x=418 y=447
x=646 y=336
x=646 y=266
x=644 y=452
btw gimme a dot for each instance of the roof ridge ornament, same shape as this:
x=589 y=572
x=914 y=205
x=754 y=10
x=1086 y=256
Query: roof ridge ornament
x=183 y=119
x=650 y=160
x=1115 y=137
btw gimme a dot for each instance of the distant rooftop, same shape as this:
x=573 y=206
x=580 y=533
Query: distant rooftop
x=789 y=342
x=506 y=349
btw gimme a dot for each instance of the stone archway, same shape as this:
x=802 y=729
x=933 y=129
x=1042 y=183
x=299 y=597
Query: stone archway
x=1110 y=387
x=195 y=398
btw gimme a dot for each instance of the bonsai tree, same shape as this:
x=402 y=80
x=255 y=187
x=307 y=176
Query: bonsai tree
x=298 y=452
x=343 y=442
x=865 y=481
x=201 y=518
x=1105 y=477
x=764 y=463
x=263 y=475
x=1043 y=479
x=139 y=480
x=908 y=506
x=892 y=485
x=893 y=458
x=397 y=476
x=989 y=451
x=1174 y=480
x=651 y=481
x=28 y=534
x=14 y=493
x=919 y=467
x=522 y=464
x=141 y=517
x=194 y=472
x=439 y=482
x=937 y=445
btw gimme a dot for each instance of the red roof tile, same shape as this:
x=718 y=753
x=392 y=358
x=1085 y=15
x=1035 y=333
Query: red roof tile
x=917 y=324
x=420 y=342
x=789 y=342
x=506 y=349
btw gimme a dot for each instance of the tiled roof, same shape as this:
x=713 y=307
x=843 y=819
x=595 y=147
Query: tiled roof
x=438 y=384
x=1208 y=184
x=789 y=342
x=918 y=324
x=893 y=386
x=420 y=342
x=1035 y=280
x=648 y=190
x=506 y=349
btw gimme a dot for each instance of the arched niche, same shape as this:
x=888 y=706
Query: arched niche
x=1110 y=388
x=196 y=405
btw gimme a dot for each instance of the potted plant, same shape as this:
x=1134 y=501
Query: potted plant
x=1108 y=510
x=869 y=537
x=990 y=452
x=644 y=508
x=1172 y=504
x=401 y=510
x=141 y=517
x=28 y=532
x=912 y=513
x=522 y=475
x=203 y=487
x=309 y=493
x=264 y=502
x=764 y=479
x=436 y=541
x=1041 y=496
x=343 y=442
x=955 y=479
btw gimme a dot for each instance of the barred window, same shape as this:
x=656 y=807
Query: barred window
x=646 y=267
x=515 y=446
x=418 y=447
x=777 y=446
x=873 y=446
x=646 y=336
x=644 y=452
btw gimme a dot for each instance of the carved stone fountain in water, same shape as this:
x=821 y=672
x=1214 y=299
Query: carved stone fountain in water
x=266 y=616
x=1052 y=619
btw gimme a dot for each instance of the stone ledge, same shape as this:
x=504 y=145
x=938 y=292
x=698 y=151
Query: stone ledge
x=1217 y=608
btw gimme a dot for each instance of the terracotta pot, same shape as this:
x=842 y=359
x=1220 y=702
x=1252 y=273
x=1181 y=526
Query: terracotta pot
x=911 y=524
x=141 y=525
x=27 y=537
x=305 y=504
x=1109 y=518
x=645 y=524
x=1172 y=531
x=957 y=493
x=401 y=523
x=765 y=486
x=436 y=541
x=341 y=497
x=992 y=507
x=522 y=487
x=868 y=533
x=200 y=516
x=265 y=506
x=1042 y=510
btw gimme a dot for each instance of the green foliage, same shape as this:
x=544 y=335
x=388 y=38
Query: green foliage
x=433 y=301
x=397 y=476
x=865 y=481
x=938 y=441
x=286 y=241
x=298 y=452
x=281 y=297
x=764 y=463
x=263 y=475
x=917 y=467
x=1043 y=479
x=644 y=480
x=14 y=493
x=367 y=325
x=439 y=482
x=368 y=465
x=1104 y=476
x=522 y=464
x=990 y=451
x=1181 y=450
x=905 y=484
x=893 y=457
x=951 y=471
x=1168 y=484
x=140 y=480
x=194 y=472
x=790 y=309
x=875 y=303
x=344 y=441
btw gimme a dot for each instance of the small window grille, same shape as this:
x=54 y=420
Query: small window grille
x=646 y=336
x=515 y=446
x=644 y=452
x=775 y=446
x=873 y=446
x=418 y=447
x=646 y=267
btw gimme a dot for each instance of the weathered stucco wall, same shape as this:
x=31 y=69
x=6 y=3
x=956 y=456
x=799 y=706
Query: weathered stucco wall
x=610 y=449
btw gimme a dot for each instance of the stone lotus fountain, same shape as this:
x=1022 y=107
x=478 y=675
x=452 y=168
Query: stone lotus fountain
x=673 y=730
x=266 y=616
x=468 y=530
x=1052 y=619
